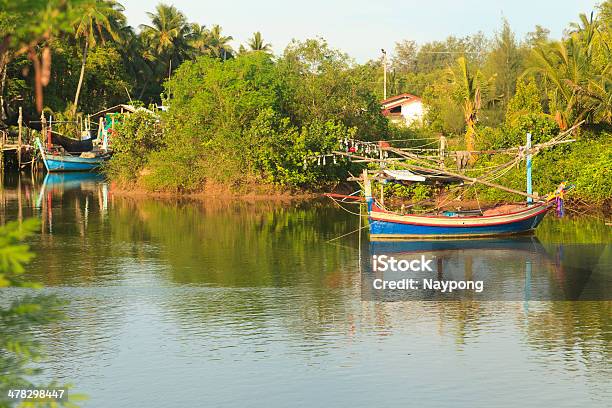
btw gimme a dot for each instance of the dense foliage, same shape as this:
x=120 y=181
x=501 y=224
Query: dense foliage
x=244 y=120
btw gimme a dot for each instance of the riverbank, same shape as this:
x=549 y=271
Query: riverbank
x=262 y=192
x=253 y=192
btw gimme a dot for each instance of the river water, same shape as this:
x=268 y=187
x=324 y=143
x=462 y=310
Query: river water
x=174 y=303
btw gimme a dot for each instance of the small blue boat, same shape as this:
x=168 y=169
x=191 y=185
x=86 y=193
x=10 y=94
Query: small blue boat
x=55 y=162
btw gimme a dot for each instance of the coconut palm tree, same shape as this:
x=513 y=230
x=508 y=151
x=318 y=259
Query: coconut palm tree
x=98 y=21
x=168 y=36
x=218 y=45
x=199 y=38
x=256 y=43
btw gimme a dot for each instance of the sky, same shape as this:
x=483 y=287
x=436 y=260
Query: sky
x=361 y=27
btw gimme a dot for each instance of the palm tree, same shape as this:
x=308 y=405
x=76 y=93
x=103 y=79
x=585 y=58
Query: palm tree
x=218 y=45
x=98 y=20
x=168 y=35
x=586 y=30
x=199 y=38
x=256 y=43
x=469 y=87
x=580 y=90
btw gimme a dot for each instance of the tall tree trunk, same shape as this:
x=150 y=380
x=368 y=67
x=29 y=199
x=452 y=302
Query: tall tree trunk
x=78 y=91
x=3 y=69
x=38 y=82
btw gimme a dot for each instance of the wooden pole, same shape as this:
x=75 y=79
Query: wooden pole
x=19 y=138
x=442 y=150
x=529 y=184
x=100 y=129
x=367 y=187
x=49 y=130
x=33 y=156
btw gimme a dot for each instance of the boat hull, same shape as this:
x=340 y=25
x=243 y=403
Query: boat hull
x=387 y=225
x=56 y=163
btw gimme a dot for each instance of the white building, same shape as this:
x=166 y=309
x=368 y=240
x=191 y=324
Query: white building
x=405 y=109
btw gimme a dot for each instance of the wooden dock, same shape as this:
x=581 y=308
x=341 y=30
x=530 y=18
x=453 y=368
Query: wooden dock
x=17 y=145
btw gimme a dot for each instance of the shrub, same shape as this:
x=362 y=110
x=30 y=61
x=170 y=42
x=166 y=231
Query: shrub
x=136 y=137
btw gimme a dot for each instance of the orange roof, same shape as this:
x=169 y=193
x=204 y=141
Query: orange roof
x=400 y=99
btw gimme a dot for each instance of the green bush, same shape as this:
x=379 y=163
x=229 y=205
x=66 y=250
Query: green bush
x=586 y=163
x=414 y=191
x=136 y=137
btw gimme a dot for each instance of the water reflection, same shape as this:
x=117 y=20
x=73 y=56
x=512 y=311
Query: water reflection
x=240 y=295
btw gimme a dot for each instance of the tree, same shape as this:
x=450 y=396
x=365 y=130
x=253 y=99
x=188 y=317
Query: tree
x=199 y=38
x=579 y=72
x=256 y=43
x=437 y=55
x=36 y=22
x=525 y=100
x=217 y=45
x=537 y=36
x=98 y=20
x=504 y=61
x=469 y=87
x=138 y=60
x=168 y=36
x=405 y=56
x=319 y=84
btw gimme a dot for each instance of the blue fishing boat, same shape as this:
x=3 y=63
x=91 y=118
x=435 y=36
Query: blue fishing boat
x=507 y=220
x=389 y=225
x=56 y=161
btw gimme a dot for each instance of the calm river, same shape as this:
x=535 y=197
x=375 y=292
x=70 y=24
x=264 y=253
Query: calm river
x=236 y=304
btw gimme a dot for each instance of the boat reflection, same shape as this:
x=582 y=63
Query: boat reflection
x=517 y=268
